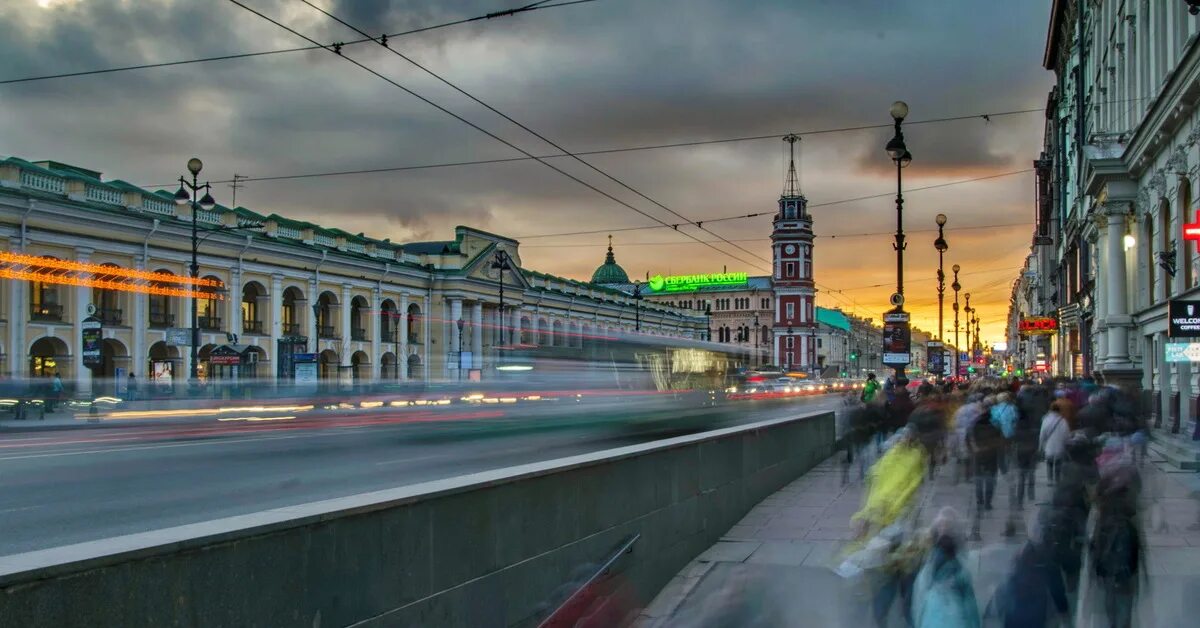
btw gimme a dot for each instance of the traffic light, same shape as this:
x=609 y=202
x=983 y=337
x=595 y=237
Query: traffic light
x=853 y=356
x=1020 y=372
x=970 y=369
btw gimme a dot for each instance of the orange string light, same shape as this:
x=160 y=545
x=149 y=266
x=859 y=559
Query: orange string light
x=20 y=259
x=104 y=284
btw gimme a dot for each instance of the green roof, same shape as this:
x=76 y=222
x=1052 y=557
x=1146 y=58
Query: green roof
x=610 y=272
x=833 y=318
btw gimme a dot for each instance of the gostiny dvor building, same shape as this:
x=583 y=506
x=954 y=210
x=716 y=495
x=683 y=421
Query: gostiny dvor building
x=286 y=299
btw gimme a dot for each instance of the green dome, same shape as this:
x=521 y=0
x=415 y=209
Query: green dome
x=609 y=272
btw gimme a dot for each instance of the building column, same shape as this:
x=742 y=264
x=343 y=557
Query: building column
x=402 y=341
x=457 y=339
x=426 y=339
x=376 y=330
x=344 y=310
x=310 y=317
x=140 y=360
x=477 y=335
x=1116 y=290
x=516 y=326
x=275 y=322
x=233 y=305
x=83 y=296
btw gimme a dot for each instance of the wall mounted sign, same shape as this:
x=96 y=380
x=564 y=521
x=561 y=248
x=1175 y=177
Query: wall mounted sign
x=1183 y=319
x=1182 y=351
x=1038 y=326
x=1191 y=230
x=689 y=283
x=936 y=362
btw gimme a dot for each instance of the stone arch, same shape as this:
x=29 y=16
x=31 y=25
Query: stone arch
x=543 y=331
x=360 y=318
x=162 y=364
x=47 y=301
x=208 y=308
x=526 y=332
x=327 y=305
x=573 y=338
x=388 y=322
x=558 y=334
x=1163 y=243
x=113 y=354
x=109 y=303
x=360 y=366
x=415 y=325
x=49 y=355
x=291 y=314
x=253 y=307
x=161 y=308
x=388 y=367
x=1184 y=203
x=255 y=368
x=327 y=364
x=414 y=366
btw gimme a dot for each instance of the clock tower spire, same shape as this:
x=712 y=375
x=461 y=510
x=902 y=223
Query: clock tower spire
x=795 y=326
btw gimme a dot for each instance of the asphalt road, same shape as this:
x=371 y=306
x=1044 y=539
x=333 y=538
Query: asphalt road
x=88 y=483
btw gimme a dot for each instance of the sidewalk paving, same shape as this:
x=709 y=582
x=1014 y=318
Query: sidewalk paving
x=775 y=566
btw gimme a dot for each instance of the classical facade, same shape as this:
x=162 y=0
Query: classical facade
x=739 y=308
x=1116 y=187
x=77 y=247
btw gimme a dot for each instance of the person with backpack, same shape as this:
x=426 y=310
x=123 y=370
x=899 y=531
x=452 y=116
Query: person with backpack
x=942 y=593
x=1052 y=437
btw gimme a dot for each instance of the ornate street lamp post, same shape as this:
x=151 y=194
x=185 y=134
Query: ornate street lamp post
x=941 y=246
x=900 y=155
x=188 y=191
x=956 y=287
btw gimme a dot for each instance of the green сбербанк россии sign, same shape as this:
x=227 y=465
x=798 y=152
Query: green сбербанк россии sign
x=688 y=283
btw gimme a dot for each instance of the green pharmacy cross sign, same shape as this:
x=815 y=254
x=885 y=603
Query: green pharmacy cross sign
x=689 y=283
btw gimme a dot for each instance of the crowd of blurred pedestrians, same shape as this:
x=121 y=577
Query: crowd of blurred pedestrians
x=1087 y=535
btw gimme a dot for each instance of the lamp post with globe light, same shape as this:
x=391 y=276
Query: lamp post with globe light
x=900 y=155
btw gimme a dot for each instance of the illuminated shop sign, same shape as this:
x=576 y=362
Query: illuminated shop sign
x=1038 y=325
x=1183 y=319
x=687 y=283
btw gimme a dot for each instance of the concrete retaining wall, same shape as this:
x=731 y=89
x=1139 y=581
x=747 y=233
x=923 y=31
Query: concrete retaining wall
x=487 y=549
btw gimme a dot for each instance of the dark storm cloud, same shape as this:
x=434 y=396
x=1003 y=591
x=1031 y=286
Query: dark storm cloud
x=605 y=74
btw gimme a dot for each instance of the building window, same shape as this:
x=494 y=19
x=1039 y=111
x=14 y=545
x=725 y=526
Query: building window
x=765 y=303
x=820 y=343
x=789 y=269
x=789 y=342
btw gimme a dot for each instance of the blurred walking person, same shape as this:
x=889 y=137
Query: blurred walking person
x=986 y=445
x=1052 y=437
x=1116 y=550
x=1033 y=592
x=942 y=593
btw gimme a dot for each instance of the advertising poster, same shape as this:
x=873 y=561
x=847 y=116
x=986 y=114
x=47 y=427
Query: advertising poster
x=93 y=337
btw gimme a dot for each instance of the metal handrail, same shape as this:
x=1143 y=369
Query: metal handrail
x=553 y=619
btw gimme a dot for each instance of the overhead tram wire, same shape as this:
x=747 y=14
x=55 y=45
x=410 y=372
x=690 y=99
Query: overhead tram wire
x=611 y=151
x=473 y=125
x=771 y=213
x=832 y=236
x=246 y=55
x=522 y=126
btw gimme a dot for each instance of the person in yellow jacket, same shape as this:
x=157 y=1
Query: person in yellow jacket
x=892 y=486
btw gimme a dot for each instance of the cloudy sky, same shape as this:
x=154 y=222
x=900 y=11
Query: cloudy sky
x=597 y=75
